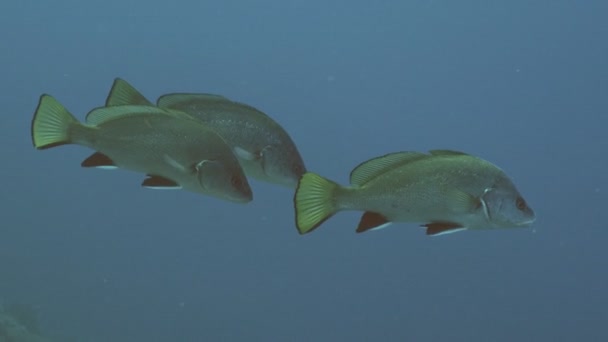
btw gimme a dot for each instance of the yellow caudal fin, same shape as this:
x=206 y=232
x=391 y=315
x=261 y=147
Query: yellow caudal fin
x=51 y=124
x=314 y=201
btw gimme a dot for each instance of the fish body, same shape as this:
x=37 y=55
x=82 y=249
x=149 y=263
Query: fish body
x=174 y=150
x=446 y=190
x=264 y=149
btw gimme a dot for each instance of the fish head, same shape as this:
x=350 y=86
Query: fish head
x=282 y=164
x=505 y=207
x=224 y=180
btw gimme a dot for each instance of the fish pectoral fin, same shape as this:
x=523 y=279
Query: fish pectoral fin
x=122 y=93
x=461 y=202
x=158 y=182
x=372 y=221
x=244 y=154
x=174 y=163
x=442 y=228
x=266 y=156
x=99 y=160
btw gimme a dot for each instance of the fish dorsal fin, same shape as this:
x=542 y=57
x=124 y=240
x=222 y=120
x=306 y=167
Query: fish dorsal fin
x=122 y=93
x=372 y=168
x=176 y=100
x=447 y=153
x=104 y=114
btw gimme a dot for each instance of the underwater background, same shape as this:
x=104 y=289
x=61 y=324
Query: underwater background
x=523 y=84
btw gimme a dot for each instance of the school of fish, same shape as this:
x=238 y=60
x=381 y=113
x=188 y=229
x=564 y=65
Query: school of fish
x=209 y=144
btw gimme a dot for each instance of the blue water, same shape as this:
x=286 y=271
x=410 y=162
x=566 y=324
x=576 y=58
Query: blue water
x=522 y=84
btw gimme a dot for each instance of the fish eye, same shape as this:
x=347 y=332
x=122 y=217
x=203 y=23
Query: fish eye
x=520 y=203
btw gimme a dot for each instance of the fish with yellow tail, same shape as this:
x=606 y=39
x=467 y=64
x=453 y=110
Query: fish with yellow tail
x=174 y=150
x=447 y=191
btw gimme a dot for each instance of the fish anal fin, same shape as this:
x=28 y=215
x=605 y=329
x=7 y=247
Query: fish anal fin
x=158 y=182
x=441 y=228
x=372 y=221
x=99 y=160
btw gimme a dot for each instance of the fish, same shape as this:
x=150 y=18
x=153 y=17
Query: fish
x=174 y=150
x=445 y=190
x=264 y=149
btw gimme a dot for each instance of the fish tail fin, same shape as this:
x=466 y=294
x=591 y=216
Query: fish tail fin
x=51 y=124
x=314 y=201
